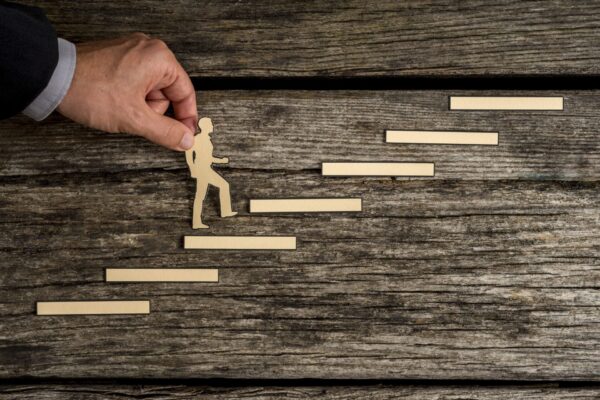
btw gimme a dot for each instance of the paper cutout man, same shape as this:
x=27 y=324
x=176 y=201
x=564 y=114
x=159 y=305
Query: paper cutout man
x=200 y=159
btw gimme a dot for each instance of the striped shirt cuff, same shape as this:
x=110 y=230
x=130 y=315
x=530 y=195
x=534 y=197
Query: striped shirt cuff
x=59 y=83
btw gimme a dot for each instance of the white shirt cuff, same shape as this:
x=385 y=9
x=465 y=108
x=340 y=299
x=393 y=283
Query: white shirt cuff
x=59 y=83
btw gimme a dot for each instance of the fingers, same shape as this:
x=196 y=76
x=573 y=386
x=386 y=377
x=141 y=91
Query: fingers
x=174 y=88
x=127 y=84
x=157 y=101
x=158 y=106
x=180 y=91
x=165 y=131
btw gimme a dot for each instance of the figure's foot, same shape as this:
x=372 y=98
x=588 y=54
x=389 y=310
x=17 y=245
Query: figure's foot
x=229 y=214
x=200 y=226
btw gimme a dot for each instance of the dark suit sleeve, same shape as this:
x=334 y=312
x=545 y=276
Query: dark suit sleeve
x=28 y=56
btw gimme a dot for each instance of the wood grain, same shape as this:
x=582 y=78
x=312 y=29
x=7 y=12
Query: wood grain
x=487 y=271
x=352 y=38
x=435 y=280
x=179 y=391
x=298 y=130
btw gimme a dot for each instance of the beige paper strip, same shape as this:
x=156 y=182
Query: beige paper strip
x=92 y=307
x=162 y=275
x=377 y=169
x=505 y=103
x=305 y=205
x=240 y=242
x=441 y=137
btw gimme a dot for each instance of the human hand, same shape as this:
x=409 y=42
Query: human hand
x=126 y=85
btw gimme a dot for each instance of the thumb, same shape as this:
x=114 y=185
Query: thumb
x=165 y=131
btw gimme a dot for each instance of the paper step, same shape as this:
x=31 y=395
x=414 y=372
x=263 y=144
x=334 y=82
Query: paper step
x=92 y=307
x=306 y=205
x=162 y=275
x=505 y=103
x=377 y=169
x=441 y=137
x=240 y=242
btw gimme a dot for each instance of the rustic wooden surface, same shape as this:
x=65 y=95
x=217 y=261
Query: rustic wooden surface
x=289 y=131
x=487 y=271
x=382 y=392
x=233 y=38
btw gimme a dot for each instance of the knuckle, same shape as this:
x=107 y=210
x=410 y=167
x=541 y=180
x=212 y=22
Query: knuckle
x=158 y=44
x=140 y=36
x=136 y=41
x=157 y=50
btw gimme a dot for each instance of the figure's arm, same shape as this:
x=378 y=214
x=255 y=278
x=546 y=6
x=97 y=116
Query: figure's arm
x=189 y=158
x=220 y=160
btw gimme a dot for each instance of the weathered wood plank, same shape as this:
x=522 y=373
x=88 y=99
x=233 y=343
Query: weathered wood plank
x=378 y=392
x=298 y=130
x=352 y=38
x=435 y=279
x=472 y=274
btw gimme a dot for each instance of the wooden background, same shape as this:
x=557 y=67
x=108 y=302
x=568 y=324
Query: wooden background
x=484 y=274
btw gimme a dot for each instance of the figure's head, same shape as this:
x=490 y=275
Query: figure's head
x=205 y=125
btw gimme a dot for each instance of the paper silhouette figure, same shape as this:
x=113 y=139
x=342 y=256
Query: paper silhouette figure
x=200 y=159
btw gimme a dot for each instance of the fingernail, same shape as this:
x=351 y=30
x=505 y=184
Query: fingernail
x=187 y=141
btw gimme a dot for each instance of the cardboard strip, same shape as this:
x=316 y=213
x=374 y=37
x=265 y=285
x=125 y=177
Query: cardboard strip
x=441 y=137
x=162 y=275
x=305 y=205
x=92 y=307
x=240 y=242
x=377 y=169
x=505 y=103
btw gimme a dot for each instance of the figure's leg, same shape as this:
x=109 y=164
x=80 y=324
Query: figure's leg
x=224 y=194
x=201 y=188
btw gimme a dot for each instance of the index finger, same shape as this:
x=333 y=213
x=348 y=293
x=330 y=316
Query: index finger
x=182 y=95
